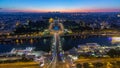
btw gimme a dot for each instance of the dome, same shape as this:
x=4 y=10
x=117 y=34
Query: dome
x=51 y=20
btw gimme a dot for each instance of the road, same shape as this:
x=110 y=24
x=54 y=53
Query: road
x=58 y=59
x=40 y=34
x=57 y=56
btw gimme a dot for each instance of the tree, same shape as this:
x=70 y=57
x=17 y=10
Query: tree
x=78 y=66
x=113 y=53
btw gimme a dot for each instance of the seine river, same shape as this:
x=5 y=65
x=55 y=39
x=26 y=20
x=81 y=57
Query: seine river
x=69 y=42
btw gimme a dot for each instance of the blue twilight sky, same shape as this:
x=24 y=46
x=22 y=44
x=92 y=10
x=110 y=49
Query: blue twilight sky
x=59 y=5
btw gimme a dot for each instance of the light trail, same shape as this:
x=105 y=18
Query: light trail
x=54 y=54
x=57 y=52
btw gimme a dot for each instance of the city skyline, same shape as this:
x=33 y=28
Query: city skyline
x=59 y=6
x=60 y=33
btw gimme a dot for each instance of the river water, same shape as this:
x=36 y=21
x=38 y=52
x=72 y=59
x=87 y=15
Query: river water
x=68 y=42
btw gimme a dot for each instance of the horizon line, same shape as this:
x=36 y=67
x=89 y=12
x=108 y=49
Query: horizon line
x=61 y=11
x=58 y=12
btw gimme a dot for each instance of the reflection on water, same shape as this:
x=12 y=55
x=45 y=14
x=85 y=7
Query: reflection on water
x=68 y=42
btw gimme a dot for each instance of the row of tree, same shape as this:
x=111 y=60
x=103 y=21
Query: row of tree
x=114 y=53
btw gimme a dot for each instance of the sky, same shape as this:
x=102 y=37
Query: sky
x=60 y=5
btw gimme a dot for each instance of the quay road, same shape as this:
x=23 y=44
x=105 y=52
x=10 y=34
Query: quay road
x=32 y=36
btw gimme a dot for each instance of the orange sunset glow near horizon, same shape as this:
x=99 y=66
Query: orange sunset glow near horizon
x=59 y=6
x=64 y=11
